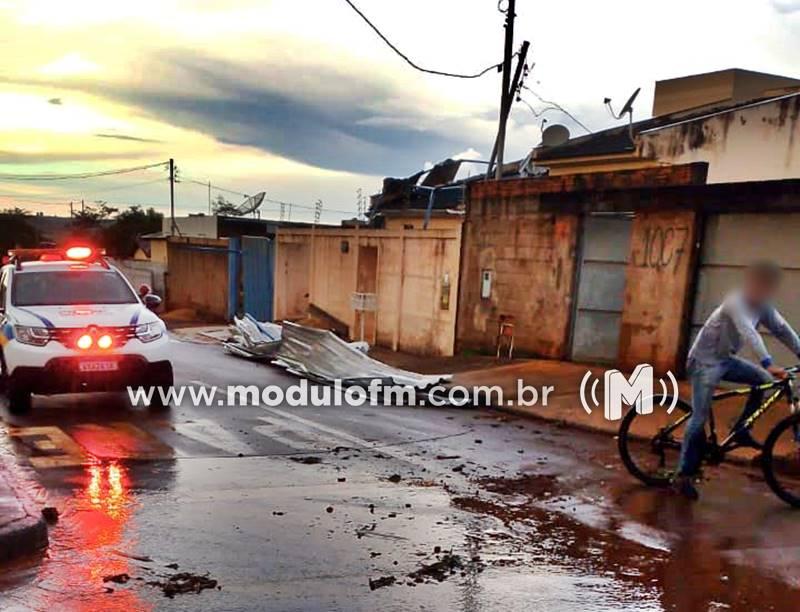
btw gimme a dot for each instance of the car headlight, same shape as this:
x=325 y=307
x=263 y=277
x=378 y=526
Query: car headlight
x=147 y=332
x=37 y=336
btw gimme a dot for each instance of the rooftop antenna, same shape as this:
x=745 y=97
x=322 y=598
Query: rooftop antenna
x=251 y=204
x=627 y=109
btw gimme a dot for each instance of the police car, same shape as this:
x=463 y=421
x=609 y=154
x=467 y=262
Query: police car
x=70 y=322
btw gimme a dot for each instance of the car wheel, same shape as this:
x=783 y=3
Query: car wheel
x=163 y=380
x=20 y=399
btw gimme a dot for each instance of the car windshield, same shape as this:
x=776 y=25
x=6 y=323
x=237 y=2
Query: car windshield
x=70 y=287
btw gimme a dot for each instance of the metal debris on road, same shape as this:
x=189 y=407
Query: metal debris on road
x=253 y=339
x=324 y=357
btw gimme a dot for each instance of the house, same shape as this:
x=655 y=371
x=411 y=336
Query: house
x=620 y=245
x=744 y=124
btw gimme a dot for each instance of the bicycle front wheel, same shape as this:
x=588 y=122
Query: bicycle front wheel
x=781 y=460
x=651 y=449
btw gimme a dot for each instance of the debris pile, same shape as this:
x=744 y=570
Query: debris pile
x=183 y=582
x=325 y=358
x=253 y=339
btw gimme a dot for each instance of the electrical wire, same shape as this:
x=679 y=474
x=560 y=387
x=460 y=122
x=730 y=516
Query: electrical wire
x=410 y=62
x=195 y=181
x=536 y=113
x=557 y=106
x=76 y=176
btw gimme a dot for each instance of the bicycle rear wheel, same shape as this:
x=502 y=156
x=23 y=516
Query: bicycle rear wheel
x=781 y=460
x=653 y=459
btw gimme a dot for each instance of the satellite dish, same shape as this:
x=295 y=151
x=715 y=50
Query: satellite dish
x=555 y=135
x=628 y=108
x=251 y=204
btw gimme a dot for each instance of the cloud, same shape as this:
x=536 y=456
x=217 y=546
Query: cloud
x=128 y=138
x=786 y=6
x=321 y=116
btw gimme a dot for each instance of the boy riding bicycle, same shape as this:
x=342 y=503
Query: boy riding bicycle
x=712 y=359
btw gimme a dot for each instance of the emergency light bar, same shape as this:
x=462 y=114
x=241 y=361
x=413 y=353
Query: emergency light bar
x=78 y=253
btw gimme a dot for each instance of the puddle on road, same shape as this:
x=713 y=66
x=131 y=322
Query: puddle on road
x=530 y=539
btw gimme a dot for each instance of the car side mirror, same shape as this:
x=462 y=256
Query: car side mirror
x=152 y=301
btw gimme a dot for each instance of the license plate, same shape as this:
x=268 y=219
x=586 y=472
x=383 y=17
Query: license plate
x=98 y=366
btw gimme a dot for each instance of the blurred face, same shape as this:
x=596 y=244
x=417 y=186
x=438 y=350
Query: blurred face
x=759 y=289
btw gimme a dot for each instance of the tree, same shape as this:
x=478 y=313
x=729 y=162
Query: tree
x=15 y=231
x=121 y=236
x=223 y=207
x=90 y=217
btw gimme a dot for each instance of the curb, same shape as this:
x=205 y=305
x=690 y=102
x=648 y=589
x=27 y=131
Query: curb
x=25 y=532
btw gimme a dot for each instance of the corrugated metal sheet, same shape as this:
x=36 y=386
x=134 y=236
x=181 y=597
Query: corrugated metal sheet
x=732 y=242
x=322 y=356
x=601 y=287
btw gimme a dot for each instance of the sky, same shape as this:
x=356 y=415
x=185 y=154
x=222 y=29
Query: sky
x=300 y=99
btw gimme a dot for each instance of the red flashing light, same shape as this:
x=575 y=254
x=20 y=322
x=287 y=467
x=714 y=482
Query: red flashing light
x=79 y=252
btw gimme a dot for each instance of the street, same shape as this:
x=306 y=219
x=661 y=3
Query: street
x=373 y=508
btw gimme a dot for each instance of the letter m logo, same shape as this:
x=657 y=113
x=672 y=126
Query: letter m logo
x=638 y=391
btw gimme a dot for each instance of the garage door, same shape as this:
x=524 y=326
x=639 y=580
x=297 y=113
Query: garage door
x=731 y=242
x=605 y=246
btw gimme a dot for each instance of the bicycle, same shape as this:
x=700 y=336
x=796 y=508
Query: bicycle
x=654 y=459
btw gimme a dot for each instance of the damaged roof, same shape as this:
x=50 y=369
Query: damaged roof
x=617 y=140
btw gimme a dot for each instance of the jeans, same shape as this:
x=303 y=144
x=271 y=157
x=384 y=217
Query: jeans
x=704 y=378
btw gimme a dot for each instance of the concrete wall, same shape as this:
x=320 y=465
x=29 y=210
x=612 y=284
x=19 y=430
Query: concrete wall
x=531 y=256
x=412 y=266
x=758 y=142
x=715 y=89
x=146 y=272
x=198 y=278
x=204 y=226
x=530 y=249
x=658 y=277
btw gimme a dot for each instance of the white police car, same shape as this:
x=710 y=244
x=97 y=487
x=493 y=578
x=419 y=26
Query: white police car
x=70 y=322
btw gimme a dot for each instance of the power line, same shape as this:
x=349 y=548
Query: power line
x=557 y=106
x=271 y=201
x=81 y=175
x=410 y=62
x=536 y=113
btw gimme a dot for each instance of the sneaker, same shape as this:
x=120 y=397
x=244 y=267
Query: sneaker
x=683 y=485
x=745 y=438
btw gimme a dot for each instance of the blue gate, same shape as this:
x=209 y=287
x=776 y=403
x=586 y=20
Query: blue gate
x=258 y=263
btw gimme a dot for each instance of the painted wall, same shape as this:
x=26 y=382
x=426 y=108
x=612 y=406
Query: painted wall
x=759 y=142
x=531 y=257
x=411 y=273
x=437 y=222
x=530 y=250
x=198 y=279
x=657 y=282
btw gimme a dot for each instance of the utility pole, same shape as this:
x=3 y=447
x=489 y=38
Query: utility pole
x=172 y=195
x=71 y=210
x=506 y=111
x=209 y=197
x=504 y=96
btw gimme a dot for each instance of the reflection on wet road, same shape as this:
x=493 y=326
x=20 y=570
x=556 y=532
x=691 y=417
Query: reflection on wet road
x=365 y=508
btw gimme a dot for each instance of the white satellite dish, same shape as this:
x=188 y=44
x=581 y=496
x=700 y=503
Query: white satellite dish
x=251 y=204
x=555 y=135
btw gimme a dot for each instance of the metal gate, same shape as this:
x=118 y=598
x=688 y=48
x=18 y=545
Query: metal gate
x=730 y=243
x=258 y=260
x=605 y=247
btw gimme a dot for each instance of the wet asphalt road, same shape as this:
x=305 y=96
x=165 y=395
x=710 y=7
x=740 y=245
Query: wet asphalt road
x=298 y=509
